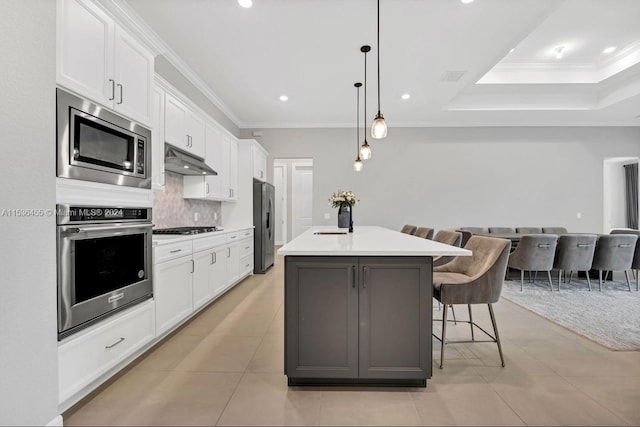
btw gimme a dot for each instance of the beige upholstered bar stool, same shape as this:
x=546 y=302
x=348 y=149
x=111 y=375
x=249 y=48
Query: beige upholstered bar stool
x=424 y=233
x=409 y=229
x=453 y=238
x=477 y=279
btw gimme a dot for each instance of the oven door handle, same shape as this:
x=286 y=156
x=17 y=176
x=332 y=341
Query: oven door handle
x=109 y=228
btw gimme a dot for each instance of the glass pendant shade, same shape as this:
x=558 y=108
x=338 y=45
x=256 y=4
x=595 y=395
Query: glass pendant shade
x=357 y=165
x=365 y=151
x=379 y=128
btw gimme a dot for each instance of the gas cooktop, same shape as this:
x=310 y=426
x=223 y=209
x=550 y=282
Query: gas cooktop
x=187 y=230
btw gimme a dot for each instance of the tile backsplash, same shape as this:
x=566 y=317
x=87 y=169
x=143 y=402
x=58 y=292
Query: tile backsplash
x=171 y=210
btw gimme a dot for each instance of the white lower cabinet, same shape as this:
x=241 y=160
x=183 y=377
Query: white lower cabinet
x=201 y=288
x=233 y=263
x=172 y=291
x=86 y=356
x=218 y=271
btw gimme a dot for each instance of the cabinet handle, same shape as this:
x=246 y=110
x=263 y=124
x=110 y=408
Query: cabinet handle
x=120 y=86
x=187 y=140
x=364 y=277
x=193 y=266
x=214 y=258
x=246 y=266
x=228 y=252
x=175 y=251
x=353 y=276
x=113 y=90
x=247 y=247
x=207 y=184
x=115 y=343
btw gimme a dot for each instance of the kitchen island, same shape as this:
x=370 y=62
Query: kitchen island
x=358 y=306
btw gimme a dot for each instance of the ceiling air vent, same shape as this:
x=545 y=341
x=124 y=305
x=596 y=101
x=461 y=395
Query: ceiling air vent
x=452 y=76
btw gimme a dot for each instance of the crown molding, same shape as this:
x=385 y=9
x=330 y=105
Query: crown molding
x=129 y=18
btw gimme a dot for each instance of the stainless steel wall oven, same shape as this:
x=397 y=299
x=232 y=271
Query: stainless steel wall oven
x=104 y=263
x=95 y=144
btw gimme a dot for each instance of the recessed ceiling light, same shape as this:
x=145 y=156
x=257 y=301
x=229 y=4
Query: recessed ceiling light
x=186 y=167
x=512 y=49
x=284 y=98
x=609 y=49
x=245 y=3
x=559 y=51
x=466 y=1
x=406 y=96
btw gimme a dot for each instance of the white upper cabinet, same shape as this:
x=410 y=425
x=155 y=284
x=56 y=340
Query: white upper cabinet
x=134 y=77
x=101 y=61
x=183 y=128
x=213 y=158
x=233 y=169
x=259 y=161
x=157 y=140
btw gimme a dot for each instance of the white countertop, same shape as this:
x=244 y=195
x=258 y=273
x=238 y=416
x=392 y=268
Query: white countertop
x=366 y=241
x=164 y=239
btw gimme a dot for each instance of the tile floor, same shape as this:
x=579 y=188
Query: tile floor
x=225 y=368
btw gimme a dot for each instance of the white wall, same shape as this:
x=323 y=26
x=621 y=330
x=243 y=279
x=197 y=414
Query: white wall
x=28 y=346
x=451 y=177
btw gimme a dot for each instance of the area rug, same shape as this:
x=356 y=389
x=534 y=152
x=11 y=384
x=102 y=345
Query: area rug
x=610 y=317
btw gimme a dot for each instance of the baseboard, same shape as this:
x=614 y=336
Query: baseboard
x=56 y=422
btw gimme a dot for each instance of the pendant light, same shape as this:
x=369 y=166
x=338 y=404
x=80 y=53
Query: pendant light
x=379 y=126
x=357 y=165
x=365 y=150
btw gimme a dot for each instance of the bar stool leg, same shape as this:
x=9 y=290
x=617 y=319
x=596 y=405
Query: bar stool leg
x=550 y=282
x=444 y=333
x=588 y=280
x=471 y=322
x=626 y=275
x=495 y=330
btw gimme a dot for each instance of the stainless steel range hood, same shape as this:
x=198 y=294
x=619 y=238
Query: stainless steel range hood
x=179 y=161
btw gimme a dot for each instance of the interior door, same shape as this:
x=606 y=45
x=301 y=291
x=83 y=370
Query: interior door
x=302 y=197
x=269 y=238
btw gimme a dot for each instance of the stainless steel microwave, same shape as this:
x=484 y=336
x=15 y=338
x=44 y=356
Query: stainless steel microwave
x=95 y=144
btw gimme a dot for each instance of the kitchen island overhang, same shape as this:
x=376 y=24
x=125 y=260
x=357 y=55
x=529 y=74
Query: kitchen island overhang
x=358 y=307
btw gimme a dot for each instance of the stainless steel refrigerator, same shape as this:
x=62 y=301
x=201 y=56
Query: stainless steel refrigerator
x=264 y=222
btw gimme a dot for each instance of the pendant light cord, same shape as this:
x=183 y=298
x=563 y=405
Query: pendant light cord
x=378 y=57
x=365 y=94
x=358 y=122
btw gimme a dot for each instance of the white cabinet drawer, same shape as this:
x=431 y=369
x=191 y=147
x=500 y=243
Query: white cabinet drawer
x=233 y=237
x=246 y=264
x=245 y=247
x=84 y=358
x=200 y=244
x=245 y=234
x=171 y=251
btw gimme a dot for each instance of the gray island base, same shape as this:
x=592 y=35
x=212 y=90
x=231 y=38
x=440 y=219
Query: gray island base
x=361 y=317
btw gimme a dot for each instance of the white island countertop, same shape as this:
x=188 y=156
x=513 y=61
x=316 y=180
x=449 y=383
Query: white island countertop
x=365 y=241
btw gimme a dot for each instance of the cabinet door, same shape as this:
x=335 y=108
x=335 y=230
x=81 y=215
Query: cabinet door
x=172 y=292
x=223 y=173
x=395 y=312
x=218 y=271
x=233 y=263
x=321 y=318
x=175 y=122
x=213 y=158
x=134 y=77
x=157 y=140
x=233 y=169
x=195 y=130
x=259 y=158
x=201 y=289
x=84 y=45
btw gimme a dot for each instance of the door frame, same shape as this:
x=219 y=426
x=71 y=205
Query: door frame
x=294 y=165
x=607 y=187
x=284 y=207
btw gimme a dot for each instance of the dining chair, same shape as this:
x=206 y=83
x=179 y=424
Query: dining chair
x=574 y=252
x=409 y=229
x=475 y=230
x=476 y=279
x=614 y=252
x=501 y=230
x=554 y=230
x=529 y=230
x=635 y=265
x=535 y=252
x=424 y=233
